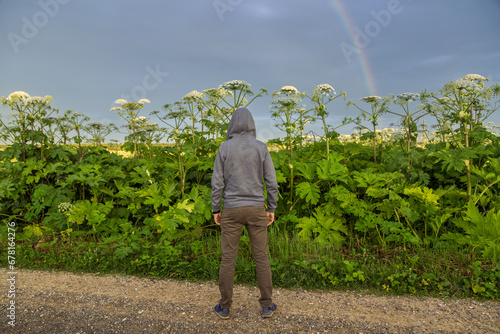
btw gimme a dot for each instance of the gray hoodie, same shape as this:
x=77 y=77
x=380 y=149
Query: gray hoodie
x=241 y=167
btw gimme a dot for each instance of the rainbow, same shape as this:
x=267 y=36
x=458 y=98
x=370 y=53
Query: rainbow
x=341 y=12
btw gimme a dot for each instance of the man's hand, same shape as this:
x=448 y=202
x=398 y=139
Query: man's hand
x=217 y=218
x=270 y=218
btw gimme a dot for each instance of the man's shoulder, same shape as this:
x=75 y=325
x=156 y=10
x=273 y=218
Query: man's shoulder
x=260 y=142
x=235 y=143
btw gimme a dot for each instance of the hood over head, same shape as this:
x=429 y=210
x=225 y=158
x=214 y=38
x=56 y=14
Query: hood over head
x=241 y=123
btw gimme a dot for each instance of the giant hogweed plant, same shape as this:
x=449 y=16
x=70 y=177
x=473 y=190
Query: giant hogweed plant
x=321 y=96
x=467 y=104
x=129 y=111
x=29 y=119
x=187 y=154
x=378 y=106
x=409 y=118
x=195 y=114
x=409 y=121
x=287 y=109
x=99 y=131
x=175 y=117
x=217 y=116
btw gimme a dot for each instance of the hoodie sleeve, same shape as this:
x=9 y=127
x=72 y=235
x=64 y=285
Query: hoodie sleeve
x=217 y=182
x=271 y=183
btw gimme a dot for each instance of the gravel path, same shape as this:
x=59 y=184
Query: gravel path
x=62 y=302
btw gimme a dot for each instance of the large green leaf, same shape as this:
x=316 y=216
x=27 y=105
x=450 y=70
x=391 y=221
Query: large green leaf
x=309 y=191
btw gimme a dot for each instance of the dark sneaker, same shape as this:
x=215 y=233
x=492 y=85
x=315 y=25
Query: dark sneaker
x=267 y=312
x=222 y=312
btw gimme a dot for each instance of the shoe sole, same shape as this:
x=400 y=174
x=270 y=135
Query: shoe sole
x=221 y=316
x=268 y=315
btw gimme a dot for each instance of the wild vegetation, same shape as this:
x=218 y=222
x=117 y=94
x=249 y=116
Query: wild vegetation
x=406 y=210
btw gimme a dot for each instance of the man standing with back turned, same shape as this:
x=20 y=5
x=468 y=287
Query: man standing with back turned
x=242 y=165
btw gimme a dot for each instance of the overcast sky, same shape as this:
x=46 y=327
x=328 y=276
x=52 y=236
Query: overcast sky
x=88 y=53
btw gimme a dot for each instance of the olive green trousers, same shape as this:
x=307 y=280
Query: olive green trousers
x=255 y=221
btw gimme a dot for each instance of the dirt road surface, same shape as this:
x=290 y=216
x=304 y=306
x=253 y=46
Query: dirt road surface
x=62 y=302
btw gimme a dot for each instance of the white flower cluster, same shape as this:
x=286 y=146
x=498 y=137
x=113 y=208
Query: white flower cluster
x=289 y=89
x=464 y=84
x=469 y=82
x=23 y=97
x=116 y=109
x=17 y=95
x=142 y=101
x=324 y=89
x=371 y=98
x=475 y=77
x=140 y=119
x=193 y=96
x=235 y=85
x=121 y=101
x=406 y=97
x=34 y=100
x=286 y=101
x=64 y=206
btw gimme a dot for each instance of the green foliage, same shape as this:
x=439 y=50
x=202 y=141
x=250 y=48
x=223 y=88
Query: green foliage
x=481 y=232
x=324 y=227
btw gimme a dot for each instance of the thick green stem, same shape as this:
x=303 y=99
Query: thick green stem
x=374 y=144
x=326 y=137
x=467 y=165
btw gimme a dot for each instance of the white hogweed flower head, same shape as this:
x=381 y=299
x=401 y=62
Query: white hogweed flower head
x=289 y=89
x=474 y=77
x=236 y=84
x=463 y=84
x=15 y=97
x=33 y=100
x=121 y=101
x=64 y=206
x=142 y=101
x=116 y=109
x=324 y=89
x=371 y=98
x=18 y=95
x=406 y=97
x=193 y=96
x=141 y=119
